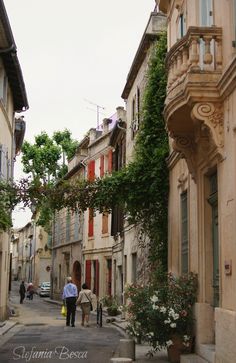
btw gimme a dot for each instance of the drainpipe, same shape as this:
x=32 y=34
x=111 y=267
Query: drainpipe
x=120 y=127
x=11 y=49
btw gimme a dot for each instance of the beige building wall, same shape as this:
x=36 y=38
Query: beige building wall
x=200 y=114
x=97 y=246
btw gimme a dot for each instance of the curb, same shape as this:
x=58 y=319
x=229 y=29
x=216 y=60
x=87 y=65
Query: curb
x=55 y=302
x=119 y=328
x=7 y=326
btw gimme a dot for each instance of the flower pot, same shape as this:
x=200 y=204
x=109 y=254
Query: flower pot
x=177 y=348
x=112 y=311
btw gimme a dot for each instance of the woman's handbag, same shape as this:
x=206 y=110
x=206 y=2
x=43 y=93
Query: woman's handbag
x=63 y=310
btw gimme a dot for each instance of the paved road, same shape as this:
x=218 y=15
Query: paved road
x=41 y=336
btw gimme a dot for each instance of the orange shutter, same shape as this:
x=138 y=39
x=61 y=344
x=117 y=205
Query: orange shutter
x=91 y=170
x=90 y=223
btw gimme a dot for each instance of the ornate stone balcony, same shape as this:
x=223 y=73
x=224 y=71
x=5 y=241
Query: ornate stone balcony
x=193 y=106
x=194 y=66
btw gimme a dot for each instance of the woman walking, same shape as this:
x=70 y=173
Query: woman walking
x=85 y=301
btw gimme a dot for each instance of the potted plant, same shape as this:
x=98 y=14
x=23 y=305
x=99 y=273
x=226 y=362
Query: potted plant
x=163 y=315
x=112 y=305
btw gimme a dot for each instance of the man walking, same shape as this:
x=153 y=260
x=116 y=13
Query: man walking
x=22 y=292
x=70 y=294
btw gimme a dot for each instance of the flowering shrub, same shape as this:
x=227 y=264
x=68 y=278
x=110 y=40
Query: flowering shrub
x=136 y=308
x=157 y=315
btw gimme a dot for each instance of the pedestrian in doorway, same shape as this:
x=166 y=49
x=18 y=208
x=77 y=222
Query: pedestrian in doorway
x=30 y=291
x=85 y=301
x=22 y=292
x=70 y=294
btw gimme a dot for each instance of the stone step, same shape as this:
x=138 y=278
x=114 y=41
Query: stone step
x=192 y=358
x=121 y=360
x=207 y=351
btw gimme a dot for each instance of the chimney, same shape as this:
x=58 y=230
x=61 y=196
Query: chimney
x=105 y=123
x=92 y=135
x=121 y=113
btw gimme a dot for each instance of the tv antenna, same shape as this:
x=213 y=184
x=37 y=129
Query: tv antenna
x=98 y=108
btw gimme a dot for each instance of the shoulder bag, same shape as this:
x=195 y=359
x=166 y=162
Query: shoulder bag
x=91 y=305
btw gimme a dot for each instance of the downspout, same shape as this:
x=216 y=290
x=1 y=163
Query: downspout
x=120 y=127
x=11 y=49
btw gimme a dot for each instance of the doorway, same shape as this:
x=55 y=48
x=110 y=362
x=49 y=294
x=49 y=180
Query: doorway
x=213 y=201
x=76 y=274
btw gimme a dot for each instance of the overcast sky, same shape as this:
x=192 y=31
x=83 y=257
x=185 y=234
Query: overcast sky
x=71 y=51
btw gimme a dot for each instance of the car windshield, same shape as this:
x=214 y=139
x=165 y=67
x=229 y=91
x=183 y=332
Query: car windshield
x=45 y=284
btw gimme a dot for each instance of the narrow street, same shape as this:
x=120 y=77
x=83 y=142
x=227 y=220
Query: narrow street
x=41 y=335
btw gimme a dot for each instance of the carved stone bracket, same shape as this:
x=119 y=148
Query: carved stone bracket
x=187 y=147
x=212 y=116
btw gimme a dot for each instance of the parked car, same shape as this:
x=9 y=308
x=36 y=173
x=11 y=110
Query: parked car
x=44 y=289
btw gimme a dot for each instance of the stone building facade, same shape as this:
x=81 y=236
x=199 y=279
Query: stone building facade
x=13 y=99
x=31 y=254
x=200 y=117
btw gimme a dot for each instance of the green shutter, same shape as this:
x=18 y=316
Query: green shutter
x=184 y=233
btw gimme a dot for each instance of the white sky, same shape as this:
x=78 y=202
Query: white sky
x=69 y=51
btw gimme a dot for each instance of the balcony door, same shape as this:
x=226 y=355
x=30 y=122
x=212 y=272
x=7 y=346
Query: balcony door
x=205 y=19
x=213 y=200
x=206 y=12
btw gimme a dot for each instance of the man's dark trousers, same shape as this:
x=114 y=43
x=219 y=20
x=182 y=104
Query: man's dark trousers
x=71 y=307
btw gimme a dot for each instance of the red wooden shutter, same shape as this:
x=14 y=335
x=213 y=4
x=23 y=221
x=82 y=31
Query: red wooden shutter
x=90 y=223
x=101 y=166
x=91 y=170
x=88 y=273
x=97 y=277
x=110 y=161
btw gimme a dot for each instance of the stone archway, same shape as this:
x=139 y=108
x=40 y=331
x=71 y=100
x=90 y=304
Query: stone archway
x=76 y=274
